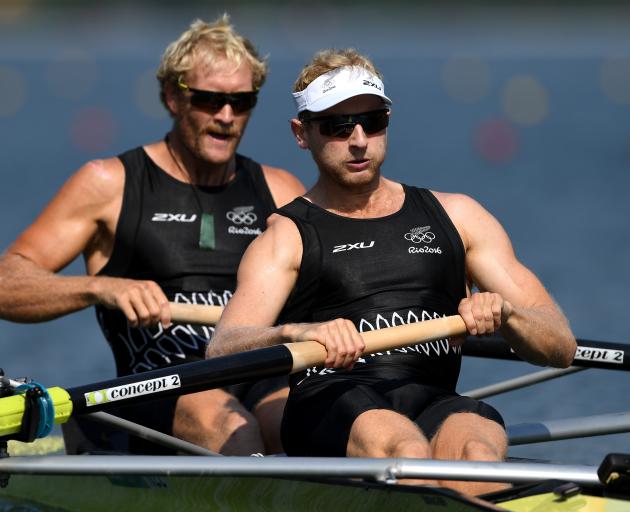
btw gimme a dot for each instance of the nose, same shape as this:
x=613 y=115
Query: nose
x=225 y=114
x=358 y=138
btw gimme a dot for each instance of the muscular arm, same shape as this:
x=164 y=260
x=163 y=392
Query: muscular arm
x=526 y=314
x=81 y=218
x=283 y=185
x=30 y=293
x=266 y=276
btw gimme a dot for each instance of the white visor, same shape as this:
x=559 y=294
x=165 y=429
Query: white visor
x=338 y=85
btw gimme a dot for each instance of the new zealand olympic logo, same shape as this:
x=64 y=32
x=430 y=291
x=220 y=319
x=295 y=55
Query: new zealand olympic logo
x=242 y=215
x=420 y=235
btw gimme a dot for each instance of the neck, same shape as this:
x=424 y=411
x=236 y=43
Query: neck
x=374 y=199
x=187 y=167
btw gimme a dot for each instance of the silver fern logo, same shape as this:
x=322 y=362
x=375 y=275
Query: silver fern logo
x=420 y=235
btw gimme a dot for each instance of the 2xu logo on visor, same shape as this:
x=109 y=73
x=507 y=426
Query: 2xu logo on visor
x=145 y=387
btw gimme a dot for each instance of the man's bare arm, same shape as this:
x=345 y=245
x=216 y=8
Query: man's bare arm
x=512 y=298
x=267 y=274
x=81 y=218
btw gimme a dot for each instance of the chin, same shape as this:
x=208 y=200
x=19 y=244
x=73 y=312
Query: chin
x=360 y=177
x=218 y=156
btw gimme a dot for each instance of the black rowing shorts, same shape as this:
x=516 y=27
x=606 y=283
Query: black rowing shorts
x=250 y=393
x=318 y=419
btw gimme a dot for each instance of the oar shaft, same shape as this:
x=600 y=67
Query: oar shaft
x=195 y=313
x=590 y=354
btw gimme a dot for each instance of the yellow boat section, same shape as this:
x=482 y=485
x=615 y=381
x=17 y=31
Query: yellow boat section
x=550 y=502
x=51 y=445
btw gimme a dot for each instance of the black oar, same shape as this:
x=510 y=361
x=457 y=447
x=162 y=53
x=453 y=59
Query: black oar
x=218 y=372
x=590 y=354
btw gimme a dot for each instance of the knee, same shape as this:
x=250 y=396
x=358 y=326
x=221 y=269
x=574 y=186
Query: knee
x=230 y=420
x=409 y=448
x=478 y=450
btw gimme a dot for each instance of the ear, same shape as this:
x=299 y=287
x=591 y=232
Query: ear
x=299 y=132
x=171 y=98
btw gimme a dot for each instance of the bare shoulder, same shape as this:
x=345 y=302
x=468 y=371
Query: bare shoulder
x=458 y=205
x=280 y=243
x=279 y=247
x=100 y=180
x=84 y=210
x=473 y=222
x=283 y=185
x=282 y=231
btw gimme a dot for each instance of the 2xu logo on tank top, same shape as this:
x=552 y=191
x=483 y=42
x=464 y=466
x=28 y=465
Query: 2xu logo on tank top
x=417 y=235
x=240 y=216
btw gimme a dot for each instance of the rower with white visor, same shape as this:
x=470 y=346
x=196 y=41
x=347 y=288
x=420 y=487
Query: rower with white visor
x=360 y=252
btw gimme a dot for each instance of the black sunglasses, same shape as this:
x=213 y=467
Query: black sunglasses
x=214 y=101
x=343 y=125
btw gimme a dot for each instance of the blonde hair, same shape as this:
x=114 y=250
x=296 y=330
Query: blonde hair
x=209 y=41
x=327 y=60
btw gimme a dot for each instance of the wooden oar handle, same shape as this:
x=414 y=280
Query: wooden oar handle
x=195 y=313
x=311 y=353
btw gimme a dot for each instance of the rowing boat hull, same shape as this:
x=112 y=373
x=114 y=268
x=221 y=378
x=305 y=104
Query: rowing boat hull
x=135 y=493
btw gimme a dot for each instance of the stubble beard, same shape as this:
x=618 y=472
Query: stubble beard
x=346 y=179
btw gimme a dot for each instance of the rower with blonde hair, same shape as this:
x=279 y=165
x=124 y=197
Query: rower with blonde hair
x=168 y=220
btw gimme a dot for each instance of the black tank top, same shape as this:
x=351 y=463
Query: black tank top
x=158 y=239
x=401 y=268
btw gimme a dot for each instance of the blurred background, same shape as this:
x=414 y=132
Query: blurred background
x=523 y=105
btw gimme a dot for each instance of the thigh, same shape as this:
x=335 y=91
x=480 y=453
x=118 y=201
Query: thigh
x=435 y=414
x=207 y=407
x=217 y=420
x=318 y=423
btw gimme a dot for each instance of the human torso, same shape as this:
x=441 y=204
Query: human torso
x=187 y=239
x=380 y=272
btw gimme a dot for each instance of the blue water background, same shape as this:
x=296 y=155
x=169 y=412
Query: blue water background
x=562 y=193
